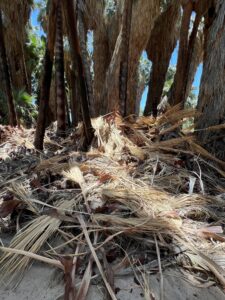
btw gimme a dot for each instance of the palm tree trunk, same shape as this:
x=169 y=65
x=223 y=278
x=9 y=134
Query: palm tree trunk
x=211 y=102
x=8 y=86
x=155 y=87
x=126 y=28
x=46 y=79
x=178 y=87
x=144 y=13
x=85 y=59
x=196 y=59
x=75 y=99
x=190 y=57
x=160 y=48
x=59 y=65
x=77 y=60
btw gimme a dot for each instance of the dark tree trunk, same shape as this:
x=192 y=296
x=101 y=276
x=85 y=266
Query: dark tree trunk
x=101 y=57
x=211 y=103
x=59 y=66
x=191 y=48
x=160 y=48
x=8 y=85
x=75 y=99
x=126 y=23
x=44 y=100
x=46 y=80
x=85 y=59
x=155 y=87
x=24 y=70
x=144 y=14
x=77 y=60
x=196 y=59
x=178 y=91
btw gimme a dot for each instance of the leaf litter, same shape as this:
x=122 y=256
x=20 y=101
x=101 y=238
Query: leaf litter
x=145 y=194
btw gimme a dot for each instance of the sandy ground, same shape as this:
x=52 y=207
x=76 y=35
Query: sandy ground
x=44 y=283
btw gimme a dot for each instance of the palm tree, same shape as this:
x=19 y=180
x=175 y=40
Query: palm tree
x=160 y=48
x=70 y=17
x=82 y=31
x=211 y=102
x=8 y=85
x=125 y=45
x=15 y=41
x=144 y=14
x=107 y=48
x=59 y=66
x=102 y=55
x=46 y=78
x=177 y=93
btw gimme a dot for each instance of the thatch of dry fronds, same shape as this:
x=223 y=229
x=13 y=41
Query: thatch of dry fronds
x=133 y=185
x=30 y=238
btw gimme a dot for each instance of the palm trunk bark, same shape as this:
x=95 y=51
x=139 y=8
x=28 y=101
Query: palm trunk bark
x=160 y=48
x=75 y=100
x=155 y=87
x=85 y=59
x=197 y=58
x=144 y=13
x=126 y=24
x=46 y=80
x=77 y=60
x=177 y=94
x=211 y=103
x=190 y=57
x=101 y=58
x=60 y=82
x=8 y=85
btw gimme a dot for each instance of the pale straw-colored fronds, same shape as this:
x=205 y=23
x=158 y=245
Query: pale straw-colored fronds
x=23 y=194
x=31 y=238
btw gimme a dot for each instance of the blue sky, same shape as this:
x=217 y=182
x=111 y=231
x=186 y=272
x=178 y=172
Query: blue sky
x=34 y=16
x=173 y=61
x=34 y=21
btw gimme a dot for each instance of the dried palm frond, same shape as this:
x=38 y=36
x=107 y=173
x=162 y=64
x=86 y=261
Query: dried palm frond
x=144 y=187
x=54 y=164
x=130 y=226
x=112 y=141
x=175 y=114
x=24 y=195
x=170 y=143
x=151 y=202
x=31 y=238
x=74 y=174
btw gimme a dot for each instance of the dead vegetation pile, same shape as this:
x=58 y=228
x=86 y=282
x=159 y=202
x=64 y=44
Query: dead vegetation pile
x=145 y=196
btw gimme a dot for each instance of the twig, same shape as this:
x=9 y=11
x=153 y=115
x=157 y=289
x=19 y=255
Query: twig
x=50 y=261
x=160 y=268
x=82 y=223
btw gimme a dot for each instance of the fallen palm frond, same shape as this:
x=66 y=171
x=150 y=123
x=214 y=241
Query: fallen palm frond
x=31 y=239
x=204 y=261
x=109 y=288
x=52 y=262
x=55 y=164
x=175 y=114
x=204 y=153
x=24 y=195
x=132 y=226
x=145 y=201
x=143 y=182
x=170 y=143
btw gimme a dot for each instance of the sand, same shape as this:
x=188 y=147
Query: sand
x=45 y=283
